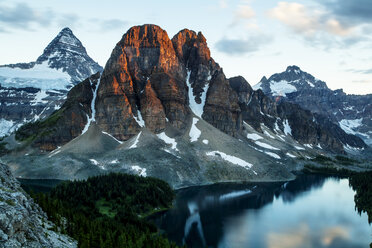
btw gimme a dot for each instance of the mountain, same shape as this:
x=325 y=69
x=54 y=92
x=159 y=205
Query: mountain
x=352 y=113
x=163 y=107
x=22 y=222
x=32 y=91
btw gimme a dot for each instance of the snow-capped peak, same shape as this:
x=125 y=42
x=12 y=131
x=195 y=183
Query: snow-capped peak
x=293 y=79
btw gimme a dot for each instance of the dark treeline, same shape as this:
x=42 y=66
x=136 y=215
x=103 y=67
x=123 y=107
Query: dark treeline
x=105 y=211
x=362 y=184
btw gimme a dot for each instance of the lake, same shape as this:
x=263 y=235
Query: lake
x=311 y=211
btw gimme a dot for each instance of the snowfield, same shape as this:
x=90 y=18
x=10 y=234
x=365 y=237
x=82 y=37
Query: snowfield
x=349 y=125
x=40 y=76
x=281 y=88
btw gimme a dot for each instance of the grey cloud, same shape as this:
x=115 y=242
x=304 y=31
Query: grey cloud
x=112 y=24
x=242 y=46
x=22 y=16
x=355 y=11
x=360 y=71
x=68 y=20
x=107 y=25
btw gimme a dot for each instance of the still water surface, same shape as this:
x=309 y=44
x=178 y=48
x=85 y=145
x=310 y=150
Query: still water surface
x=312 y=211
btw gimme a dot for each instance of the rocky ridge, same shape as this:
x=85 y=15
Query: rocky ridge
x=22 y=222
x=352 y=113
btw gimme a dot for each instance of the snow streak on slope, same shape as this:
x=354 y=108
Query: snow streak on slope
x=134 y=145
x=92 y=105
x=139 y=119
x=231 y=159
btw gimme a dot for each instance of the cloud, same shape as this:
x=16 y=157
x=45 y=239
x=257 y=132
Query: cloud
x=305 y=21
x=112 y=24
x=363 y=71
x=244 y=12
x=22 y=16
x=354 y=11
x=223 y=4
x=242 y=46
x=319 y=26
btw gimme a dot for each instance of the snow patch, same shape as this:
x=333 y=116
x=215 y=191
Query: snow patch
x=139 y=119
x=39 y=96
x=274 y=155
x=290 y=155
x=95 y=162
x=281 y=88
x=141 y=171
x=231 y=159
x=168 y=140
x=267 y=146
x=194 y=131
x=116 y=161
x=194 y=106
x=254 y=136
x=287 y=128
x=205 y=141
x=349 y=125
x=299 y=148
x=7 y=127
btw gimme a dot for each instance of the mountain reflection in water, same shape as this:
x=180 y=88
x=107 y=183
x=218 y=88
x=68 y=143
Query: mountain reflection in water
x=311 y=211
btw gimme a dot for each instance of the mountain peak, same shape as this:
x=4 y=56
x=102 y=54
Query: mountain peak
x=293 y=68
x=64 y=52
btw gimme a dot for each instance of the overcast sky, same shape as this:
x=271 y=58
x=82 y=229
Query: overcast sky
x=330 y=39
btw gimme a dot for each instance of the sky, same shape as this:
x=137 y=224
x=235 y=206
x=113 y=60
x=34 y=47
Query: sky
x=330 y=39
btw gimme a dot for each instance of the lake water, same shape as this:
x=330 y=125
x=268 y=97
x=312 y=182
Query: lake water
x=311 y=211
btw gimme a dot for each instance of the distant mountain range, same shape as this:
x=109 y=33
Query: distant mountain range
x=32 y=91
x=163 y=107
x=353 y=113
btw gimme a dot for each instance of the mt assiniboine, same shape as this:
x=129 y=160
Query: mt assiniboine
x=163 y=107
x=32 y=91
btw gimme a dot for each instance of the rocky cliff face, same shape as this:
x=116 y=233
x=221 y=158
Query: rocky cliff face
x=32 y=91
x=352 y=113
x=22 y=222
x=149 y=81
x=305 y=127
